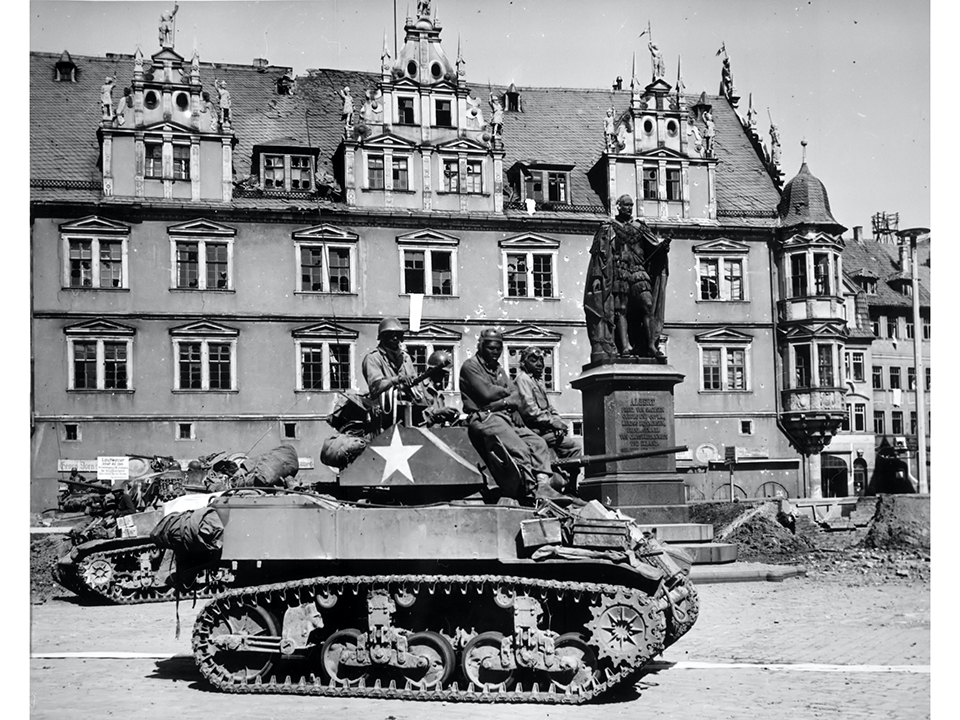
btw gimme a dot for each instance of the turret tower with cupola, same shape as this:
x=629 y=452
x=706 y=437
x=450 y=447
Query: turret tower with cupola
x=419 y=140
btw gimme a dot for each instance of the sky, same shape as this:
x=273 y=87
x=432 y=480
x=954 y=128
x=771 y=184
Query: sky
x=851 y=77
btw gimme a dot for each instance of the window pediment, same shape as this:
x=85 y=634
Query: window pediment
x=530 y=334
x=722 y=246
x=462 y=145
x=427 y=237
x=660 y=153
x=326 y=232
x=168 y=127
x=325 y=331
x=530 y=241
x=434 y=333
x=824 y=330
x=95 y=225
x=202 y=226
x=724 y=335
x=812 y=238
x=99 y=328
x=204 y=328
x=388 y=141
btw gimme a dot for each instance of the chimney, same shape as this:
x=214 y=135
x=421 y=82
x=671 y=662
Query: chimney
x=858 y=234
x=260 y=63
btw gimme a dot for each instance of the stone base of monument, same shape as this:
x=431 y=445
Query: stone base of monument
x=628 y=407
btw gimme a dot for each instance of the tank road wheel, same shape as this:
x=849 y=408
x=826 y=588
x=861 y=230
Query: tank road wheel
x=250 y=620
x=331 y=653
x=481 y=662
x=98 y=573
x=578 y=663
x=440 y=657
x=625 y=629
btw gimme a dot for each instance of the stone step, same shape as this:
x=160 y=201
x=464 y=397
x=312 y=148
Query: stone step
x=657 y=514
x=713 y=553
x=680 y=532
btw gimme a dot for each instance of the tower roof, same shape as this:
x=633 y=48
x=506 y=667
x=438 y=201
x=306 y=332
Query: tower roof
x=804 y=202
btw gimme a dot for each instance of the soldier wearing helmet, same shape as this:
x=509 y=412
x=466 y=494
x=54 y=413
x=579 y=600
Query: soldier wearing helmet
x=438 y=366
x=389 y=366
x=538 y=413
x=495 y=428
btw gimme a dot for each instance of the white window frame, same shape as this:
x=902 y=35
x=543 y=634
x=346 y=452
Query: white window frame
x=518 y=347
x=101 y=363
x=724 y=290
x=554 y=255
x=428 y=250
x=394 y=157
x=483 y=177
x=95 y=241
x=201 y=261
x=205 y=362
x=287 y=158
x=850 y=357
x=325 y=246
x=367 y=156
x=324 y=345
x=173 y=170
x=724 y=348
x=416 y=110
x=176 y=431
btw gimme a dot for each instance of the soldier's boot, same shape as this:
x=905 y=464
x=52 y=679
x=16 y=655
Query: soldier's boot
x=545 y=489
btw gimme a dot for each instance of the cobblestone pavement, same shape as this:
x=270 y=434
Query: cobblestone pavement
x=802 y=620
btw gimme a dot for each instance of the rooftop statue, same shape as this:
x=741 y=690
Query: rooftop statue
x=106 y=98
x=167 y=30
x=624 y=293
x=659 y=67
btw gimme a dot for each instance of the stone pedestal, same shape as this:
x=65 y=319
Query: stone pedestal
x=628 y=406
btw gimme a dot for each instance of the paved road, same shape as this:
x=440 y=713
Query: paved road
x=803 y=648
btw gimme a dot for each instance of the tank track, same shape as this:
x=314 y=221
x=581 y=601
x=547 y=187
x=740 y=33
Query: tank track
x=129 y=576
x=627 y=629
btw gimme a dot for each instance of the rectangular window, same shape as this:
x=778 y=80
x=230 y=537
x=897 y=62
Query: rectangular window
x=216 y=256
x=859 y=417
x=650 y=182
x=909 y=329
x=736 y=369
x=529 y=274
x=188 y=265
x=115 y=365
x=111 y=263
x=185 y=431
x=875 y=326
x=825 y=362
x=926 y=328
x=534 y=186
x=926 y=371
x=513 y=363
x=801 y=354
x=181 y=162
x=400 y=177
x=474 y=182
x=153 y=160
x=879 y=422
x=895 y=378
x=911 y=378
x=709 y=279
x=325 y=366
x=557 y=187
x=877 y=377
x=430 y=271
x=451 y=176
x=301 y=172
x=746 y=427
x=290 y=430
x=857 y=359
x=821 y=273
x=711 y=369
x=71 y=432
x=913 y=422
x=732 y=288
x=444 y=114
x=405 y=111
x=896 y=424
x=893 y=328
x=673 y=184
x=205 y=365
x=190 y=365
x=85 y=365
x=845 y=422
x=325 y=268
x=81 y=263
x=375 y=177
x=798 y=276
x=273 y=172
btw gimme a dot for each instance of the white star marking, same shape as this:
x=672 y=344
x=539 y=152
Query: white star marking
x=397 y=456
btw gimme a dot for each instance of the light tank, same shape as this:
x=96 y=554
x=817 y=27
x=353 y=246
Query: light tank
x=411 y=579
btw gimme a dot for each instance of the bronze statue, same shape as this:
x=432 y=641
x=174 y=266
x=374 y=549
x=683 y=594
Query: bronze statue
x=624 y=292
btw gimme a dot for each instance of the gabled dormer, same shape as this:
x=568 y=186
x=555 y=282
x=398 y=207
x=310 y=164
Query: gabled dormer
x=163 y=138
x=285 y=165
x=420 y=140
x=545 y=183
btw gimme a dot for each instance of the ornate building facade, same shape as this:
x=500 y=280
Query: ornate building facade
x=212 y=252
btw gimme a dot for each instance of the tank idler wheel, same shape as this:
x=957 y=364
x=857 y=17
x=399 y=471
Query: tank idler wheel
x=333 y=649
x=577 y=663
x=440 y=656
x=251 y=620
x=481 y=662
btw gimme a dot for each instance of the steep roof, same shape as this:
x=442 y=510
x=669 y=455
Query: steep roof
x=883 y=260
x=805 y=202
x=557 y=125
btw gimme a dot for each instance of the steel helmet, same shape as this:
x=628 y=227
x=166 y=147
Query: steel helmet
x=491 y=334
x=440 y=359
x=389 y=325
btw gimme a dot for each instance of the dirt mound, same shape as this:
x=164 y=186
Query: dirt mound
x=900 y=522
x=761 y=538
x=44 y=552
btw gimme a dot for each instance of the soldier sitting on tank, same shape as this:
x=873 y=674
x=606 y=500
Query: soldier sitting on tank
x=436 y=412
x=388 y=367
x=496 y=429
x=539 y=414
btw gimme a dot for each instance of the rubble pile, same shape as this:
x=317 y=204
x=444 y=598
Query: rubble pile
x=900 y=522
x=44 y=551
